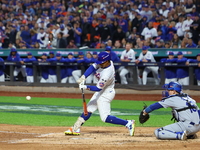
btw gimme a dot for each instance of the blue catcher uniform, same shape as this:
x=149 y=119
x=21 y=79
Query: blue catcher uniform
x=104 y=94
x=182 y=72
x=2 y=67
x=196 y=69
x=170 y=72
x=29 y=68
x=184 y=110
x=15 y=57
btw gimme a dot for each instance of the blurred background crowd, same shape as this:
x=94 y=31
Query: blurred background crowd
x=52 y=24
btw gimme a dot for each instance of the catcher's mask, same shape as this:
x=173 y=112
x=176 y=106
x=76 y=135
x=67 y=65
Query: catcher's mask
x=171 y=86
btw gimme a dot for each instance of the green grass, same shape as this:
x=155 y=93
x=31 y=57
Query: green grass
x=64 y=112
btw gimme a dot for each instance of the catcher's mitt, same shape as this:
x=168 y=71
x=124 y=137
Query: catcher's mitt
x=143 y=118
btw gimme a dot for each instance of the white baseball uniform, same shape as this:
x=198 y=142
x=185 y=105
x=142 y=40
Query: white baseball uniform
x=149 y=33
x=154 y=70
x=101 y=100
x=188 y=119
x=127 y=55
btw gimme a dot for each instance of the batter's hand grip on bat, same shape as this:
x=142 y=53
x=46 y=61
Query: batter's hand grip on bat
x=84 y=104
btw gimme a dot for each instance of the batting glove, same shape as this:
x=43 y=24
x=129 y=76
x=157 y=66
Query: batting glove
x=82 y=86
x=81 y=79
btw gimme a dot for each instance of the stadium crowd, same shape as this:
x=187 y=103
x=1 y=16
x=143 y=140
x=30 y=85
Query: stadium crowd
x=101 y=24
x=54 y=24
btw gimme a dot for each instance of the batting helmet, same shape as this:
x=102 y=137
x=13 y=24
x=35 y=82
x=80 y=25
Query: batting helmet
x=103 y=57
x=108 y=48
x=173 y=86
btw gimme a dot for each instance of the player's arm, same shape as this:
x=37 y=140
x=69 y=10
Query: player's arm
x=152 y=107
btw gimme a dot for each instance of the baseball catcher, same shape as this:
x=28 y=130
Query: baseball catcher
x=185 y=111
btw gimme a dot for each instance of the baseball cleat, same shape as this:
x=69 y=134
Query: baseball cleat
x=184 y=136
x=70 y=131
x=131 y=127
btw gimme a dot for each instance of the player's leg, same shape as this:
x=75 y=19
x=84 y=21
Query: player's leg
x=23 y=71
x=29 y=79
x=198 y=82
x=76 y=74
x=2 y=78
x=144 y=75
x=155 y=75
x=185 y=81
x=122 y=75
x=91 y=107
x=16 y=72
x=177 y=131
x=71 y=79
x=103 y=104
x=64 y=80
x=54 y=78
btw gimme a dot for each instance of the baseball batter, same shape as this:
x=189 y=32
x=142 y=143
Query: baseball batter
x=104 y=94
x=147 y=56
x=128 y=55
x=185 y=112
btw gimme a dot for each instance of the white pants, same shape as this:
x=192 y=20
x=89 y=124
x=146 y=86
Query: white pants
x=123 y=72
x=2 y=78
x=70 y=80
x=43 y=80
x=29 y=79
x=146 y=71
x=170 y=80
x=198 y=82
x=76 y=74
x=184 y=81
x=168 y=131
x=22 y=69
x=101 y=101
x=52 y=79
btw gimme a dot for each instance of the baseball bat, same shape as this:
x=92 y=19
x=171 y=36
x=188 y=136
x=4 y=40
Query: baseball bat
x=84 y=104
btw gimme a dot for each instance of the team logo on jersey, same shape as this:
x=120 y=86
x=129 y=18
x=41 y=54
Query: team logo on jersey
x=101 y=84
x=97 y=75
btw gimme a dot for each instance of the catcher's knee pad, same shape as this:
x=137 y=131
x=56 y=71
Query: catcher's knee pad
x=86 y=117
x=156 y=132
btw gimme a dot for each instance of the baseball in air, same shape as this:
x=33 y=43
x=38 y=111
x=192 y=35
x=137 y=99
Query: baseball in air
x=28 y=98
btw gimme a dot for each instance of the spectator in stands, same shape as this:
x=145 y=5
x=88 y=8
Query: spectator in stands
x=195 y=28
x=25 y=35
x=197 y=68
x=13 y=33
x=70 y=35
x=105 y=32
x=61 y=42
x=198 y=45
x=149 y=32
x=176 y=39
x=186 y=26
x=191 y=44
x=71 y=45
x=41 y=36
x=52 y=41
x=15 y=57
x=159 y=44
x=2 y=67
x=170 y=72
x=29 y=68
x=182 y=72
x=118 y=35
x=77 y=33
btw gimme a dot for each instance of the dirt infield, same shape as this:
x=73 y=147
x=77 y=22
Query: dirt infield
x=14 y=137
x=17 y=137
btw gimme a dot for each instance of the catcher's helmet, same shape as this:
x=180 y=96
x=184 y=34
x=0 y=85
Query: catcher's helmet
x=173 y=86
x=103 y=57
